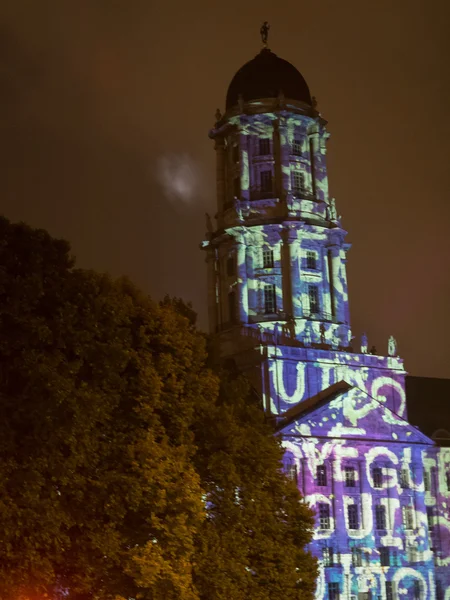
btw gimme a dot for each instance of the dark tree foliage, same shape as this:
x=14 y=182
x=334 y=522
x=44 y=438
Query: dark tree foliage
x=124 y=473
x=98 y=494
x=251 y=544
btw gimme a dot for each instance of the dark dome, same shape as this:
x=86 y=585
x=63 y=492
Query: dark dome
x=264 y=77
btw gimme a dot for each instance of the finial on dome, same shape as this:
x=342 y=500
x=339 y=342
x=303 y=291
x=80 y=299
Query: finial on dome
x=264 y=31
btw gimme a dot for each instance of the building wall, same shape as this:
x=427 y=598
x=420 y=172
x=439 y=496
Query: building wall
x=277 y=237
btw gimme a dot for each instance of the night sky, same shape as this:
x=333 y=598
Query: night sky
x=105 y=107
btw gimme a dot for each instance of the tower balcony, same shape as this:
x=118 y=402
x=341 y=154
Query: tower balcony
x=319 y=315
x=262 y=194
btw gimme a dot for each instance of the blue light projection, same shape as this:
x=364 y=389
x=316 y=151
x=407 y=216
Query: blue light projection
x=278 y=304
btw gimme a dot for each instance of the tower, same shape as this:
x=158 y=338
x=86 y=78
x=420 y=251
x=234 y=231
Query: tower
x=278 y=308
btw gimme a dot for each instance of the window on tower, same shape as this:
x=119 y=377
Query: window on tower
x=430 y=518
x=297 y=147
x=270 y=299
x=266 y=181
x=298 y=182
x=235 y=154
x=311 y=260
x=267 y=258
x=264 y=146
x=313 y=294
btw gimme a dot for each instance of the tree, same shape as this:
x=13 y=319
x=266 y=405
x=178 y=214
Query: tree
x=125 y=472
x=252 y=543
x=98 y=494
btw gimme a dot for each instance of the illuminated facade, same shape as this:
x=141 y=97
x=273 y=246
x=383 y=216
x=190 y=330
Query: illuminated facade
x=278 y=306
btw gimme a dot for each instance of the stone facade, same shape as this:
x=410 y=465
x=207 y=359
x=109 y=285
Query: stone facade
x=278 y=306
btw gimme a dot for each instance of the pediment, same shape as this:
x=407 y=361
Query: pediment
x=344 y=411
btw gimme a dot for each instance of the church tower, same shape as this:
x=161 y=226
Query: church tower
x=278 y=309
x=277 y=282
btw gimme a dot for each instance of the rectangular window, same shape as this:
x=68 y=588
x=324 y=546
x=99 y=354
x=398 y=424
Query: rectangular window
x=427 y=480
x=404 y=479
x=328 y=560
x=389 y=591
x=267 y=259
x=416 y=589
x=264 y=146
x=237 y=187
x=333 y=590
x=231 y=265
x=297 y=147
x=384 y=557
x=357 y=557
x=235 y=154
x=353 y=519
x=350 y=478
x=430 y=518
x=447 y=476
x=298 y=182
x=324 y=515
x=377 y=476
x=380 y=516
x=270 y=299
x=291 y=471
x=408 y=517
x=313 y=294
x=321 y=475
x=266 y=181
x=311 y=260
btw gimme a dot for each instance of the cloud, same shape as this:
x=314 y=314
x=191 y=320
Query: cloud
x=178 y=175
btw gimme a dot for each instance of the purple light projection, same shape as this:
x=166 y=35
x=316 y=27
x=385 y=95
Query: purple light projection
x=278 y=304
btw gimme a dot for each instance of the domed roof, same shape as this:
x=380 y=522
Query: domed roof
x=265 y=77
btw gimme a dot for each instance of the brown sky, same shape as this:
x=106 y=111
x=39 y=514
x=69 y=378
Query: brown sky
x=98 y=96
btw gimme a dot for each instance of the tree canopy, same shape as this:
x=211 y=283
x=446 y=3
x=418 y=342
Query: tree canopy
x=128 y=469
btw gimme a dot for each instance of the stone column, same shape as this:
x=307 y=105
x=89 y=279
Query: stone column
x=327 y=298
x=281 y=156
x=286 y=275
x=295 y=281
x=319 y=174
x=338 y=299
x=244 y=164
x=242 y=282
x=338 y=493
